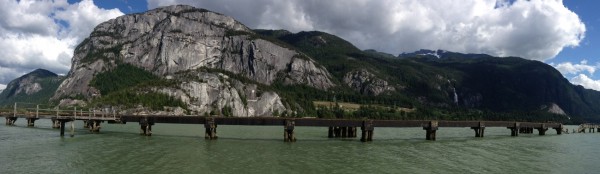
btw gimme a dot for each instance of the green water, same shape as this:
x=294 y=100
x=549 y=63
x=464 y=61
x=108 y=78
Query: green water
x=260 y=149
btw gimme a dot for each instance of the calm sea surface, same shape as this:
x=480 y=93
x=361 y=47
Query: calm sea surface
x=260 y=149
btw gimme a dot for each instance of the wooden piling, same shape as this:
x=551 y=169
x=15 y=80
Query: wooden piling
x=288 y=131
x=148 y=131
x=367 y=131
x=73 y=128
x=479 y=129
x=330 y=132
x=96 y=126
x=430 y=130
x=11 y=120
x=55 y=123
x=210 y=127
x=31 y=121
x=542 y=129
x=145 y=127
x=560 y=129
x=351 y=132
x=62 y=128
x=514 y=129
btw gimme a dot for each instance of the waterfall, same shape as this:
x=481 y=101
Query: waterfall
x=455 y=96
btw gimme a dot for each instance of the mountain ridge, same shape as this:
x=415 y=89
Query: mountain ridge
x=184 y=60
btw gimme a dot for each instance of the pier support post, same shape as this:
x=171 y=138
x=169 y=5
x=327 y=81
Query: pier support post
x=31 y=121
x=11 y=120
x=530 y=130
x=288 y=131
x=559 y=129
x=85 y=124
x=542 y=129
x=73 y=128
x=55 y=123
x=514 y=129
x=479 y=130
x=344 y=132
x=367 y=131
x=90 y=124
x=351 y=132
x=330 y=132
x=431 y=129
x=61 y=123
x=62 y=127
x=94 y=125
x=211 y=128
x=146 y=127
x=337 y=131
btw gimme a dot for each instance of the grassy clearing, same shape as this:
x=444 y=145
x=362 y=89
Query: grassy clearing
x=354 y=106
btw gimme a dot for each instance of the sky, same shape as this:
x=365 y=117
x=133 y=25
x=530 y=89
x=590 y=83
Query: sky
x=43 y=33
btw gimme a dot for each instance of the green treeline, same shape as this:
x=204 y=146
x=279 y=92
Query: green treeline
x=121 y=77
x=131 y=98
x=130 y=86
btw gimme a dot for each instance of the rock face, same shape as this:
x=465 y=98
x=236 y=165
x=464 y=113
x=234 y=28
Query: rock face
x=555 y=109
x=176 y=39
x=366 y=83
x=217 y=91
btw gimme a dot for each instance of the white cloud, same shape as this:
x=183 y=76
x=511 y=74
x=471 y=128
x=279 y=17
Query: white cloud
x=569 y=68
x=586 y=82
x=535 y=29
x=83 y=17
x=43 y=34
x=2 y=87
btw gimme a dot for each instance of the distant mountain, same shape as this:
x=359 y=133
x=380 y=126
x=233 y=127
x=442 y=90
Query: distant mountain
x=35 y=87
x=185 y=60
x=448 y=84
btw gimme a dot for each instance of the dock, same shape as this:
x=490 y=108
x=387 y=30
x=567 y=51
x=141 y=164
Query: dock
x=335 y=128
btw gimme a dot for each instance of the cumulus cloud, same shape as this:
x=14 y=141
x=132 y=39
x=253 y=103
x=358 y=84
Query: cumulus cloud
x=570 y=68
x=579 y=73
x=535 y=29
x=43 y=34
x=586 y=82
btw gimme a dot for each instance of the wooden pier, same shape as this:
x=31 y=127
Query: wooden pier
x=336 y=128
x=592 y=128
